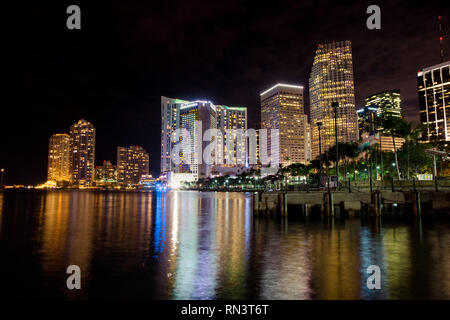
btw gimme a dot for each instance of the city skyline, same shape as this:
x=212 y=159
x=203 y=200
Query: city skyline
x=124 y=109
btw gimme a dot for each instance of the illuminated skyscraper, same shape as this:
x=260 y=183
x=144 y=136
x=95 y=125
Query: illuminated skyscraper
x=82 y=153
x=434 y=101
x=59 y=159
x=132 y=164
x=282 y=108
x=170 y=121
x=195 y=117
x=331 y=80
x=387 y=103
x=228 y=120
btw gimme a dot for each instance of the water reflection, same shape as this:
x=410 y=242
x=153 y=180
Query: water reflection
x=189 y=245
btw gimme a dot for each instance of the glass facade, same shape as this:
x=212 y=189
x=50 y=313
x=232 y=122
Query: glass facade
x=59 y=159
x=433 y=85
x=282 y=108
x=82 y=153
x=331 y=80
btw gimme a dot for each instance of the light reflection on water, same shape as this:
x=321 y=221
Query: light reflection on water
x=189 y=245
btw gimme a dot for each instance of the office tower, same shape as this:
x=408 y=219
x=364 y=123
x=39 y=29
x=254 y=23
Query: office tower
x=59 y=159
x=387 y=103
x=434 y=101
x=195 y=117
x=82 y=153
x=170 y=121
x=282 y=108
x=368 y=120
x=307 y=135
x=106 y=175
x=331 y=80
x=132 y=164
x=230 y=121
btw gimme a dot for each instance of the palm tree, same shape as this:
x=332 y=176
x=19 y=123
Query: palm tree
x=406 y=131
x=390 y=126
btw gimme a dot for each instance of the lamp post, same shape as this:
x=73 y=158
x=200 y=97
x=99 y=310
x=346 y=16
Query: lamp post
x=2 y=174
x=335 y=106
x=319 y=125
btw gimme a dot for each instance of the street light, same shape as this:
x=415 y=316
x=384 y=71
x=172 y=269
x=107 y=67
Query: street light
x=335 y=106
x=2 y=174
x=319 y=125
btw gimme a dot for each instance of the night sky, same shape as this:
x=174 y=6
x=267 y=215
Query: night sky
x=127 y=54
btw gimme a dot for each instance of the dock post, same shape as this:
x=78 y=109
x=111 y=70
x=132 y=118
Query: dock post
x=328 y=203
x=256 y=203
x=282 y=203
x=416 y=204
x=376 y=203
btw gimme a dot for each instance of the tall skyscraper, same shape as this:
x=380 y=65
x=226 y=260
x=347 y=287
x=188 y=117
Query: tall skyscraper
x=434 y=101
x=282 y=108
x=331 y=80
x=195 y=117
x=229 y=121
x=307 y=134
x=59 y=159
x=82 y=153
x=132 y=164
x=387 y=103
x=170 y=121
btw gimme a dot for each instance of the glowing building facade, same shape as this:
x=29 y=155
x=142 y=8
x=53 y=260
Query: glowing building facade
x=230 y=120
x=170 y=121
x=434 y=101
x=82 y=153
x=132 y=164
x=331 y=80
x=282 y=108
x=195 y=117
x=59 y=159
x=387 y=103
x=106 y=175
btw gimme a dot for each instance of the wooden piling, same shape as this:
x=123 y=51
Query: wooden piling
x=376 y=203
x=256 y=199
x=416 y=203
x=329 y=204
x=282 y=203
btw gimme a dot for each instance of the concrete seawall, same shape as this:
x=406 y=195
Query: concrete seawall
x=375 y=203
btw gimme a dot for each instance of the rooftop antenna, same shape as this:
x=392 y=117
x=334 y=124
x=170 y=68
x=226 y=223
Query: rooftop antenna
x=441 y=38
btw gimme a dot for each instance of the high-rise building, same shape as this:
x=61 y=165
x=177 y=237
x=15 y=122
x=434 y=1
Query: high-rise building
x=82 y=153
x=307 y=134
x=331 y=81
x=195 y=117
x=59 y=159
x=368 y=120
x=282 y=108
x=434 y=101
x=387 y=103
x=230 y=121
x=132 y=164
x=170 y=121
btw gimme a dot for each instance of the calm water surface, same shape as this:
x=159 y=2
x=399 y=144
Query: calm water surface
x=190 y=245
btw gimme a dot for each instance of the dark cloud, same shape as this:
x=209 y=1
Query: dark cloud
x=128 y=54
